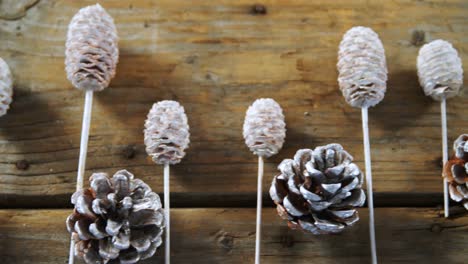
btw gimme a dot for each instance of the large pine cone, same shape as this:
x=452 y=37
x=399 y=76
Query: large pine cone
x=6 y=87
x=91 y=52
x=318 y=190
x=439 y=70
x=116 y=220
x=362 y=67
x=264 y=127
x=166 y=132
x=456 y=171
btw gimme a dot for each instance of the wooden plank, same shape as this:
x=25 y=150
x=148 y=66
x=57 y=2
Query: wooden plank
x=216 y=58
x=404 y=235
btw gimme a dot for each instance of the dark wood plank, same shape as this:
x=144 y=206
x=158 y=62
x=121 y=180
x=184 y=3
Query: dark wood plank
x=216 y=58
x=404 y=235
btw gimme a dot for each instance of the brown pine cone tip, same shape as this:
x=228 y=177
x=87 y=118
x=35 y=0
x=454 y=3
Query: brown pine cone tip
x=456 y=171
x=116 y=220
x=166 y=133
x=91 y=50
x=362 y=67
x=264 y=127
x=440 y=70
x=6 y=87
x=318 y=190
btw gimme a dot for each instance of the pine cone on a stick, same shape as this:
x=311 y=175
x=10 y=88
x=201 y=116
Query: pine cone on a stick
x=456 y=171
x=264 y=127
x=6 y=87
x=91 y=53
x=166 y=132
x=116 y=220
x=318 y=190
x=362 y=67
x=440 y=70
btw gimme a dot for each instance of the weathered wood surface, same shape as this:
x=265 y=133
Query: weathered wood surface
x=216 y=57
x=405 y=235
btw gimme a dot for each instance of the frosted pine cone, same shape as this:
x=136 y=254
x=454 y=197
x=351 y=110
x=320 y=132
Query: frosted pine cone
x=6 y=87
x=456 y=171
x=439 y=70
x=318 y=190
x=362 y=67
x=264 y=127
x=166 y=132
x=91 y=52
x=116 y=220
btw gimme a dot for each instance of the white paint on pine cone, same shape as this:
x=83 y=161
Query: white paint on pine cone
x=91 y=53
x=6 y=87
x=166 y=132
x=440 y=70
x=362 y=67
x=264 y=127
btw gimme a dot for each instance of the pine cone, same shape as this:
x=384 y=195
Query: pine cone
x=362 y=67
x=318 y=190
x=116 y=220
x=6 y=87
x=166 y=132
x=456 y=171
x=264 y=127
x=91 y=49
x=440 y=70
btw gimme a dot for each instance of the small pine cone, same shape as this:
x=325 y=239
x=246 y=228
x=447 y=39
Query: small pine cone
x=264 y=127
x=6 y=87
x=166 y=132
x=456 y=171
x=362 y=67
x=439 y=70
x=318 y=190
x=91 y=49
x=116 y=220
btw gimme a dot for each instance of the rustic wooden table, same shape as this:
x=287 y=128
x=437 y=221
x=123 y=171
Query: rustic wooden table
x=216 y=57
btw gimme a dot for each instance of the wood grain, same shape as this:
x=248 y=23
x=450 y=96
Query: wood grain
x=404 y=235
x=216 y=58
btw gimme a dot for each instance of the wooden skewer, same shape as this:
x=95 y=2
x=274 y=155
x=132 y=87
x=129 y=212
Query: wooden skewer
x=88 y=105
x=259 y=210
x=167 y=214
x=370 y=193
x=443 y=120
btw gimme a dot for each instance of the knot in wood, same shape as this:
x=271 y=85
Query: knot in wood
x=436 y=228
x=22 y=164
x=258 y=9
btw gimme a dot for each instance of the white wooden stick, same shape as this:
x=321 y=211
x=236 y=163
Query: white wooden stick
x=88 y=105
x=168 y=214
x=259 y=210
x=443 y=120
x=370 y=199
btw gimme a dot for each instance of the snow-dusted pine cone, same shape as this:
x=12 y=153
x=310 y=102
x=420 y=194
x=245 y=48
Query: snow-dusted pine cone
x=456 y=171
x=264 y=127
x=91 y=52
x=166 y=132
x=116 y=220
x=440 y=70
x=362 y=67
x=6 y=87
x=318 y=190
